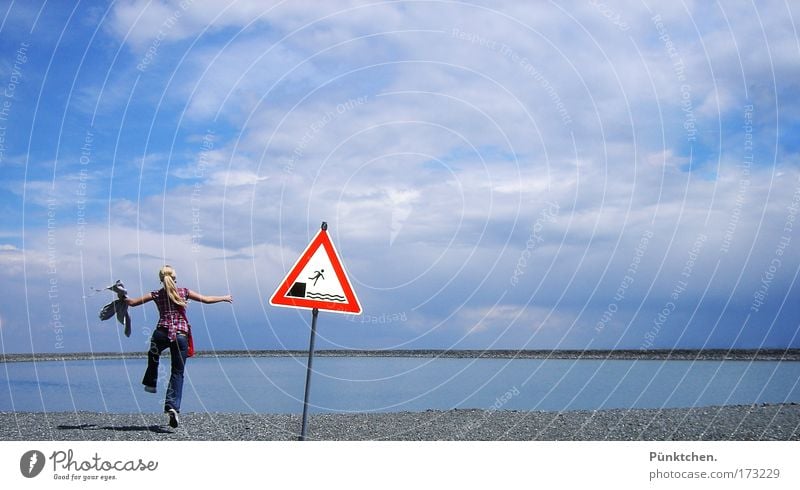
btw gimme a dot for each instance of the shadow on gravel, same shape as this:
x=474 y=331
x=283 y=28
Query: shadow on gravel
x=123 y=428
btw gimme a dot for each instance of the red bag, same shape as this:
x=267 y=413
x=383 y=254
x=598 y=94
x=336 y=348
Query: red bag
x=190 y=350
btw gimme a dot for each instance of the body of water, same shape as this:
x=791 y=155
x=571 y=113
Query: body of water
x=381 y=384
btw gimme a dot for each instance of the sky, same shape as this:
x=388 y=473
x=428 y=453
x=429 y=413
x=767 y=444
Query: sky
x=494 y=175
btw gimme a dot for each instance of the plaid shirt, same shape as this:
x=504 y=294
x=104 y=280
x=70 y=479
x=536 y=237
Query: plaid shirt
x=170 y=315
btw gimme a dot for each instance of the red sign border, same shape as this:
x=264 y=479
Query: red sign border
x=279 y=298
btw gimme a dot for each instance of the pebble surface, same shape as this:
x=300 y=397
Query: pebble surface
x=744 y=422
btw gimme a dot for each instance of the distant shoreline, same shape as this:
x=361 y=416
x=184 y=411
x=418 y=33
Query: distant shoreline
x=621 y=354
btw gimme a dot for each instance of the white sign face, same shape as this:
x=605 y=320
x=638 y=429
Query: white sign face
x=318 y=280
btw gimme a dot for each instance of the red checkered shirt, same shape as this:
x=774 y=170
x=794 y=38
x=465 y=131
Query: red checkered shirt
x=171 y=316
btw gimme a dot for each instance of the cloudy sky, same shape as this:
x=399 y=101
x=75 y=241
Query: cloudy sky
x=494 y=174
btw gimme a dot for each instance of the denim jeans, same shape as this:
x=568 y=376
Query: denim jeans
x=177 y=350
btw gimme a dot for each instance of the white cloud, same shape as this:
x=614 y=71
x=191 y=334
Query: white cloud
x=12 y=259
x=235 y=178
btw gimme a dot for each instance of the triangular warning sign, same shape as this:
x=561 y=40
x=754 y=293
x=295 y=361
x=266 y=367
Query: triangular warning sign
x=318 y=280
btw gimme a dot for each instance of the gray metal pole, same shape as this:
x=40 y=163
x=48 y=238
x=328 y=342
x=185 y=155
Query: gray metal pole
x=314 y=314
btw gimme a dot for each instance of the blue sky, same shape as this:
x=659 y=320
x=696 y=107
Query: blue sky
x=494 y=174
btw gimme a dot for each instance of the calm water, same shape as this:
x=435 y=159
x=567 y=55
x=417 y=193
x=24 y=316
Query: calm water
x=276 y=385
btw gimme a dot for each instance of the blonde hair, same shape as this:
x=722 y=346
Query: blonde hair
x=167 y=276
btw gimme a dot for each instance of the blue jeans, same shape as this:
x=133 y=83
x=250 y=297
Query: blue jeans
x=177 y=350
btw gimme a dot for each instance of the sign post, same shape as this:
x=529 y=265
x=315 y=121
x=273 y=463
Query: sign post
x=306 y=286
x=314 y=315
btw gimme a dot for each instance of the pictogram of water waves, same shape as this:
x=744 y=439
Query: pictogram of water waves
x=326 y=297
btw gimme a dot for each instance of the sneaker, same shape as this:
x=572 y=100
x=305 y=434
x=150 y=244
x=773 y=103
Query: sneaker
x=150 y=389
x=173 y=417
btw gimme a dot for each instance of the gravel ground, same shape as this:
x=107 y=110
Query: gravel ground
x=758 y=422
x=629 y=354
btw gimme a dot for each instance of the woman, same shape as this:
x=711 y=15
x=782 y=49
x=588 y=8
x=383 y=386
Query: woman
x=171 y=331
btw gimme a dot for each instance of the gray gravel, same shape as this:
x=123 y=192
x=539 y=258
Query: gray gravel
x=758 y=422
x=628 y=354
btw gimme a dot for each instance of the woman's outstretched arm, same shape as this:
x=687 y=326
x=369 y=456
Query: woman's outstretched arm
x=209 y=299
x=138 y=301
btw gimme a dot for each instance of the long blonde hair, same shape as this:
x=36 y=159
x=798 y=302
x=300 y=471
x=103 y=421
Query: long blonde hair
x=167 y=276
